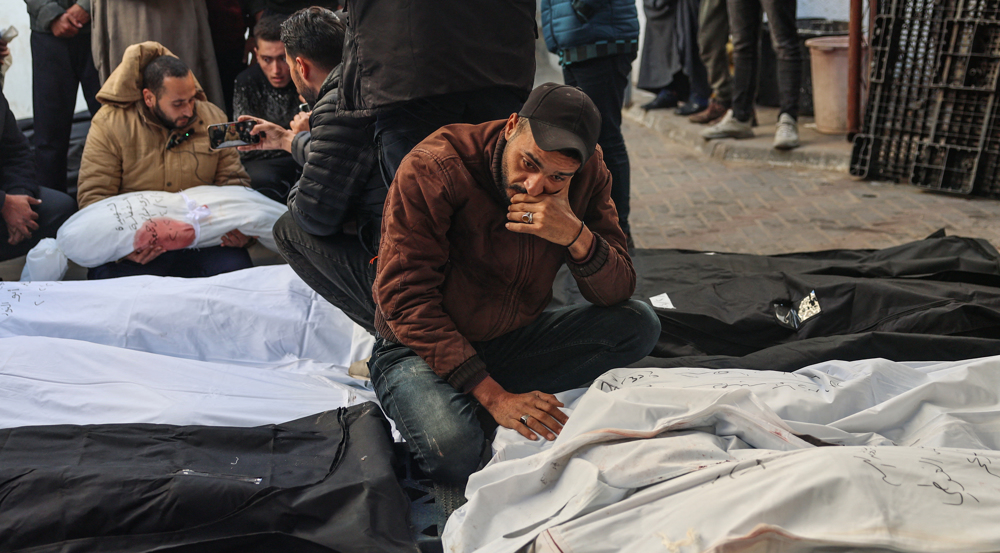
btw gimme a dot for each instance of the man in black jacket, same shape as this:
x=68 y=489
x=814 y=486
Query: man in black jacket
x=330 y=234
x=29 y=212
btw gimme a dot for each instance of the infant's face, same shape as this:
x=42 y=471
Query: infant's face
x=169 y=234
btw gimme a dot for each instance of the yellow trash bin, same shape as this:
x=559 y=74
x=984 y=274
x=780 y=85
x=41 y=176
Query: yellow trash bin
x=828 y=57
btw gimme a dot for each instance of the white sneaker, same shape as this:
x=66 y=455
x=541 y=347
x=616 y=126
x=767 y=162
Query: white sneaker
x=786 y=133
x=729 y=127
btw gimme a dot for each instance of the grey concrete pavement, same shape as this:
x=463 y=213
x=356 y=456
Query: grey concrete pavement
x=683 y=198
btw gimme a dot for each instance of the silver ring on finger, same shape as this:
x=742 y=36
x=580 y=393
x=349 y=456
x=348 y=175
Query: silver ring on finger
x=528 y=217
x=524 y=419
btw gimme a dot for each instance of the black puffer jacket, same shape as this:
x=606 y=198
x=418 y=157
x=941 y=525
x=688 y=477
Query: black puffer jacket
x=400 y=51
x=340 y=182
x=17 y=165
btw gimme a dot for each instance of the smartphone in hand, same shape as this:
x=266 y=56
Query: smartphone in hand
x=230 y=135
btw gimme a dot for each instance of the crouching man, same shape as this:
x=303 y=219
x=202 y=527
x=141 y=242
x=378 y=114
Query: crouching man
x=478 y=220
x=331 y=231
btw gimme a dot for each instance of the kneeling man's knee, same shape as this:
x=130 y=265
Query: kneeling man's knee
x=646 y=325
x=453 y=453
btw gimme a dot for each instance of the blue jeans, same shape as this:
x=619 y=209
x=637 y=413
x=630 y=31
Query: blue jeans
x=563 y=349
x=604 y=80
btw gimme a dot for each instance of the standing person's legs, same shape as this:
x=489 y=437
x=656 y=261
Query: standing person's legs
x=85 y=72
x=744 y=21
x=561 y=350
x=604 y=80
x=337 y=267
x=54 y=96
x=400 y=129
x=713 y=35
x=788 y=49
x=491 y=104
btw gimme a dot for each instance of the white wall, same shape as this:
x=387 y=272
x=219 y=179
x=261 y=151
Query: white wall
x=17 y=84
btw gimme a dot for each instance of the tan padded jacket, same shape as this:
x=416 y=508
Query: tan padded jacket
x=449 y=271
x=126 y=149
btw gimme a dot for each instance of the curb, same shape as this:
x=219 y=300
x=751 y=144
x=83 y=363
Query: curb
x=828 y=152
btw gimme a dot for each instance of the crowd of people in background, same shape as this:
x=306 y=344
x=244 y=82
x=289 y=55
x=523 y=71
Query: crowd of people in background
x=685 y=62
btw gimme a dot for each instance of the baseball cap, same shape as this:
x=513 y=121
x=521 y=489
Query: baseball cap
x=562 y=117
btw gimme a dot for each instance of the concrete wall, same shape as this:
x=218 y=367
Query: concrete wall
x=17 y=85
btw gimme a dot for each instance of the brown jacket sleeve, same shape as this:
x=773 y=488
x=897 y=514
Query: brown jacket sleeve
x=413 y=256
x=607 y=277
x=100 y=166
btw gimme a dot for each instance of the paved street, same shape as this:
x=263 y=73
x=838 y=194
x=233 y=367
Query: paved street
x=682 y=198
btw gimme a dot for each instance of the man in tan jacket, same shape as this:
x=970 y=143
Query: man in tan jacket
x=151 y=134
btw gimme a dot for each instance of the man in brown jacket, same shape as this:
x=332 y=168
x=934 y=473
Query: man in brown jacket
x=151 y=134
x=478 y=220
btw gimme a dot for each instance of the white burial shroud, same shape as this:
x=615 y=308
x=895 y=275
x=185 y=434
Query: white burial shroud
x=690 y=460
x=104 y=231
x=47 y=381
x=246 y=348
x=256 y=316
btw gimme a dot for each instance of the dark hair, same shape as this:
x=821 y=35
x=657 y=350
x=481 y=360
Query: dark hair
x=269 y=28
x=316 y=34
x=161 y=68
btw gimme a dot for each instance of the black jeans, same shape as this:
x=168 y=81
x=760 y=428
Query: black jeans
x=188 y=263
x=604 y=80
x=273 y=177
x=59 y=66
x=744 y=22
x=398 y=130
x=562 y=349
x=337 y=267
x=55 y=208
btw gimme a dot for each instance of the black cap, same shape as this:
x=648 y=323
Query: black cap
x=562 y=117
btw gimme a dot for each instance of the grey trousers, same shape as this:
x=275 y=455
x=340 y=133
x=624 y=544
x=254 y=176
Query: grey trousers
x=713 y=35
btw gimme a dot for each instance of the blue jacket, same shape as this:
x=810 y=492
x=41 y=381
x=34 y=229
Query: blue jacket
x=572 y=23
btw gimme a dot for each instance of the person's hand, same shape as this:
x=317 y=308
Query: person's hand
x=235 y=239
x=4 y=50
x=145 y=255
x=65 y=26
x=272 y=137
x=79 y=15
x=21 y=220
x=300 y=123
x=544 y=418
x=552 y=219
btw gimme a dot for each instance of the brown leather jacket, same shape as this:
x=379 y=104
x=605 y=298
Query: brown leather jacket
x=450 y=273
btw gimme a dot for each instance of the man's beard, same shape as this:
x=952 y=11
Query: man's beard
x=171 y=124
x=308 y=95
x=505 y=181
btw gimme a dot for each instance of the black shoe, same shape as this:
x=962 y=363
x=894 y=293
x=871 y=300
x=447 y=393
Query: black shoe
x=691 y=108
x=665 y=99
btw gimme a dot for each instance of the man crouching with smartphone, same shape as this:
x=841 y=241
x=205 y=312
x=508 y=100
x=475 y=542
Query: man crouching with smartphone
x=151 y=133
x=330 y=234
